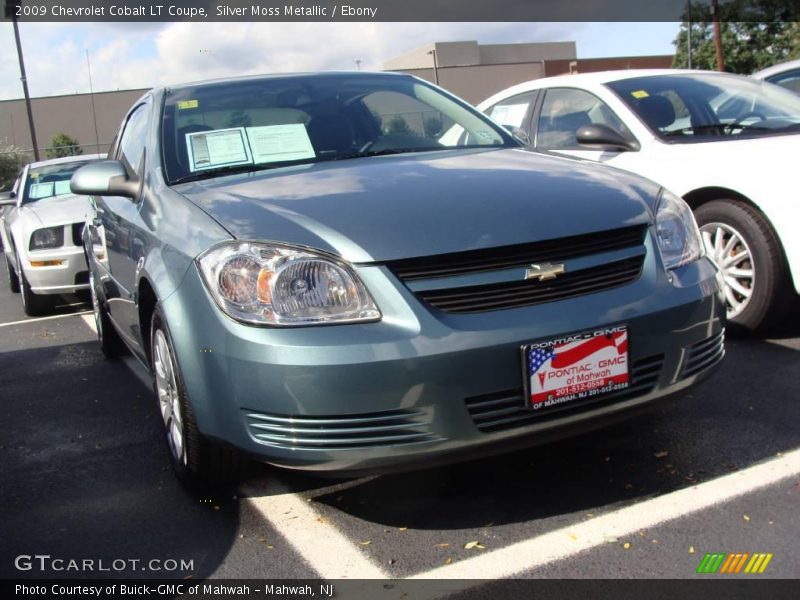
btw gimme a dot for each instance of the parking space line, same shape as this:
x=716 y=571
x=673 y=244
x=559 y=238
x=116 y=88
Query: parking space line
x=27 y=321
x=566 y=542
x=314 y=538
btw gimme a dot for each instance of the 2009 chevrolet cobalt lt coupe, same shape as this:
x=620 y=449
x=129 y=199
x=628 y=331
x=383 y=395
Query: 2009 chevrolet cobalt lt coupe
x=315 y=277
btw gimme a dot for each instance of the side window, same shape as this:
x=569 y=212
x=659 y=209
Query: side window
x=790 y=80
x=514 y=111
x=565 y=110
x=134 y=139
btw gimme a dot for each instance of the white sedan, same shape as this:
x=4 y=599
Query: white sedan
x=728 y=145
x=41 y=228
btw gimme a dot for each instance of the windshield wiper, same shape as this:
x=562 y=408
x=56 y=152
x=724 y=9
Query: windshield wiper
x=229 y=170
x=388 y=151
x=721 y=128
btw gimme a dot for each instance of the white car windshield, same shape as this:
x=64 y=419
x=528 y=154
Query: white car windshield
x=48 y=181
x=707 y=106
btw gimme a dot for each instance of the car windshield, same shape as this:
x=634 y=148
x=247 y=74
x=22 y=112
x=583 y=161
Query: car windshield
x=708 y=106
x=49 y=181
x=218 y=128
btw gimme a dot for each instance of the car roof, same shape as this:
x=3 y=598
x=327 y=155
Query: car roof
x=266 y=77
x=596 y=78
x=775 y=69
x=66 y=159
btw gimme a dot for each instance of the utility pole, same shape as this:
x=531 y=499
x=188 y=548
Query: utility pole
x=91 y=95
x=24 y=79
x=689 y=36
x=717 y=36
x=435 y=67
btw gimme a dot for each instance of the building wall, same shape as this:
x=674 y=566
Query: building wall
x=66 y=114
x=477 y=82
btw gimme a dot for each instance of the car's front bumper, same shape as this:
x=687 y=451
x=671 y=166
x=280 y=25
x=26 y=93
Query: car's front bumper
x=420 y=387
x=69 y=276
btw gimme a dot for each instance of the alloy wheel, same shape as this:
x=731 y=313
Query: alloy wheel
x=729 y=250
x=168 y=396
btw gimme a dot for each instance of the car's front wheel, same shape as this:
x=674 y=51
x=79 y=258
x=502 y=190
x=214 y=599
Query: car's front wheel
x=34 y=305
x=744 y=246
x=13 y=279
x=196 y=460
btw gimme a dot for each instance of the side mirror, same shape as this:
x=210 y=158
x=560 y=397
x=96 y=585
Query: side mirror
x=519 y=134
x=8 y=198
x=104 y=178
x=603 y=137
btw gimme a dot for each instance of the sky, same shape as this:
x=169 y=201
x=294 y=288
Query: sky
x=133 y=55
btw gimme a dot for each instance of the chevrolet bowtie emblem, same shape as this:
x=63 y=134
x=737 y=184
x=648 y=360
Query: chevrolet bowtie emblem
x=544 y=272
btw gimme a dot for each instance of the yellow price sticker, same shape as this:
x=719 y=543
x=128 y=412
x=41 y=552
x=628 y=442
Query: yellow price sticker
x=639 y=94
x=184 y=104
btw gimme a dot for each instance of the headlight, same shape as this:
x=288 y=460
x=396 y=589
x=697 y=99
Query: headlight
x=278 y=285
x=678 y=236
x=50 y=237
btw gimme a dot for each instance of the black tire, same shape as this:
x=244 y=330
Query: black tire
x=13 y=278
x=111 y=344
x=201 y=463
x=770 y=288
x=34 y=305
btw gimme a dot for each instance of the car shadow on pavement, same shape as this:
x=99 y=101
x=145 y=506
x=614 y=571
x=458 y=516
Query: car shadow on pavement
x=745 y=413
x=86 y=475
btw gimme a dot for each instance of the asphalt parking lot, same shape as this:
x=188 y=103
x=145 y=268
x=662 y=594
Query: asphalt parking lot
x=85 y=476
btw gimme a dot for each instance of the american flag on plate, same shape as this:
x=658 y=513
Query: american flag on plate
x=564 y=371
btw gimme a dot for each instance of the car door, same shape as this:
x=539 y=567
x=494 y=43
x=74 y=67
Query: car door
x=563 y=111
x=117 y=221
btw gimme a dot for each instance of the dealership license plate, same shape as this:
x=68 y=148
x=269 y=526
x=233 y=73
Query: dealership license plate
x=576 y=367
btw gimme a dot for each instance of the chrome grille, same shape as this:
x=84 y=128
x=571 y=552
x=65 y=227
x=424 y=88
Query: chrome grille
x=506 y=409
x=341 y=432
x=703 y=355
x=514 y=294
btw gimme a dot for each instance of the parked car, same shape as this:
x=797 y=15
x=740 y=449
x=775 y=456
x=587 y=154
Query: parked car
x=315 y=278
x=41 y=229
x=785 y=74
x=726 y=144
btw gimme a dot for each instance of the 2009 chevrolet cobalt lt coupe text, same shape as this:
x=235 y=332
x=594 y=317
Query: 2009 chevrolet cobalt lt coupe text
x=313 y=277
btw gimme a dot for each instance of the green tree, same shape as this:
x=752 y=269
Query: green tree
x=755 y=34
x=11 y=162
x=63 y=145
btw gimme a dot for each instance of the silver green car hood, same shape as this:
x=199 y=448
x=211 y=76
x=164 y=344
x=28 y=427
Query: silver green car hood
x=388 y=207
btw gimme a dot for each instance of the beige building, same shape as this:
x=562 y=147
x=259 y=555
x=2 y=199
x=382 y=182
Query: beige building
x=71 y=114
x=474 y=71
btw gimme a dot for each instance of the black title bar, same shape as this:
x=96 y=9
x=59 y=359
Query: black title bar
x=390 y=10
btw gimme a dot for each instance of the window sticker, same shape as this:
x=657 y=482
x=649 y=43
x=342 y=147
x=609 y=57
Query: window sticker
x=184 y=104
x=639 y=94
x=62 y=187
x=40 y=190
x=278 y=143
x=218 y=148
x=487 y=135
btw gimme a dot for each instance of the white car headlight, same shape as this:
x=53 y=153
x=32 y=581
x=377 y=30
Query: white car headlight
x=49 y=237
x=279 y=285
x=678 y=236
